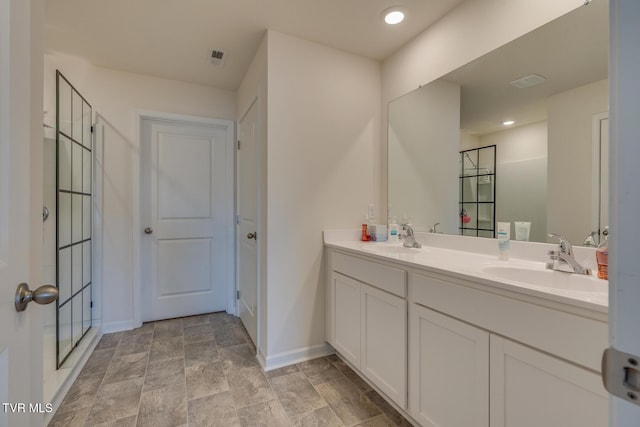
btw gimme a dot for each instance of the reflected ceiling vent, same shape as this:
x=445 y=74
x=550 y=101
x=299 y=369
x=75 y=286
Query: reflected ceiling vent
x=217 y=57
x=528 y=81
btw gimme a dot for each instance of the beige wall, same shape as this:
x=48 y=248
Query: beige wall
x=116 y=96
x=422 y=127
x=323 y=152
x=570 y=158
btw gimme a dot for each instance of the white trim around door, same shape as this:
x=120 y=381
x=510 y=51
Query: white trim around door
x=229 y=126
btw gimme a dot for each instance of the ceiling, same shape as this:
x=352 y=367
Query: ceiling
x=173 y=39
x=570 y=51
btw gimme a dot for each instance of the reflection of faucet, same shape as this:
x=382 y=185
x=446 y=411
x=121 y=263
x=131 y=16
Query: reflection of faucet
x=563 y=259
x=591 y=240
x=433 y=229
x=409 y=239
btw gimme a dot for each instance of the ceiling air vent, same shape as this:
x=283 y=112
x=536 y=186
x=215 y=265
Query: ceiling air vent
x=528 y=81
x=217 y=57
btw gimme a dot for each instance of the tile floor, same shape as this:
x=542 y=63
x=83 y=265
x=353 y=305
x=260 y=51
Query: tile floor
x=202 y=371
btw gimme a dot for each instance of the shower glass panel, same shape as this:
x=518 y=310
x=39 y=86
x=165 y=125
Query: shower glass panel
x=478 y=192
x=73 y=228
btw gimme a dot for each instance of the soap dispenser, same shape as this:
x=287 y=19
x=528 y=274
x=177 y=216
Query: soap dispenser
x=394 y=230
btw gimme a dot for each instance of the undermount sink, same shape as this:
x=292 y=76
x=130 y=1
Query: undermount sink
x=390 y=249
x=548 y=279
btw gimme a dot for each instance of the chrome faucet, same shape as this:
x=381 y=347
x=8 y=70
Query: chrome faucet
x=563 y=259
x=433 y=229
x=409 y=238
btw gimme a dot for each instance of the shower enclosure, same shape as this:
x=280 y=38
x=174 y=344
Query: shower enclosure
x=478 y=192
x=73 y=215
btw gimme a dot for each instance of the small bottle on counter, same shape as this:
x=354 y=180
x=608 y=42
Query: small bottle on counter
x=394 y=230
x=602 y=257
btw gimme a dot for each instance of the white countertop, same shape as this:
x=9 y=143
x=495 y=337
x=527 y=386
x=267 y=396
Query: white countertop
x=524 y=273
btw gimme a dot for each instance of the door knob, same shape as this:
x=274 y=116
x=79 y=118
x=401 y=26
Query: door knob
x=253 y=236
x=148 y=230
x=45 y=294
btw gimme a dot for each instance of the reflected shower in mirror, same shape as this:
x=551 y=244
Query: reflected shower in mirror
x=542 y=101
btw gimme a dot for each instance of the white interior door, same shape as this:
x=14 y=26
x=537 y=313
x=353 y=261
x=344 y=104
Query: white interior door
x=247 y=234
x=186 y=213
x=20 y=187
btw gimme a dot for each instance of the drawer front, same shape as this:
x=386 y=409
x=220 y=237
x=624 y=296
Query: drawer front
x=389 y=279
x=566 y=335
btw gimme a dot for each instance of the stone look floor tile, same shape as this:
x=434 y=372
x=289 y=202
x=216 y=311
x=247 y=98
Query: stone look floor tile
x=164 y=349
x=116 y=401
x=81 y=393
x=126 y=368
x=210 y=383
x=249 y=386
x=320 y=371
x=70 y=419
x=347 y=402
x=163 y=407
x=98 y=362
x=163 y=374
x=282 y=371
x=237 y=357
x=379 y=421
x=351 y=375
x=394 y=416
x=213 y=411
x=323 y=417
x=204 y=380
x=109 y=341
x=264 y=414
x=201 y=352
x=230 y=336
x=193 y=334
x=296 y=394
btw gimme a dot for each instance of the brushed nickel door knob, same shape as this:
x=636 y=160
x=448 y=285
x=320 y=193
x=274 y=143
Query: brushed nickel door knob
x=148 y=230
x=45 y=294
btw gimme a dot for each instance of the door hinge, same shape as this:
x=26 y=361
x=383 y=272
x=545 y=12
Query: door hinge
x=91 y=304
x=238 y=294
x=621 y=374
x=238 y=144
x=93 y=128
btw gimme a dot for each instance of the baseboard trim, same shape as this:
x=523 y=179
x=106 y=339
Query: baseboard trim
x=110 y=327
x=295 y=356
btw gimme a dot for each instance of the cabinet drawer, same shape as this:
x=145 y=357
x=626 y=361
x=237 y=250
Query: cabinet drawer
x=390 y=279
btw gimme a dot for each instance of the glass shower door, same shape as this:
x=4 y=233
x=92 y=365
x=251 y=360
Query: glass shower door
x=73 y=213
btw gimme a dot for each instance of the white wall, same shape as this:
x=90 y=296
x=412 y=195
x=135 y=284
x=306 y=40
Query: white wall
x=570 y=158
x=254 y=88
x=521 y=176
x=466 y=33
x=117 y=96
x=323 y=154
x=423 y=126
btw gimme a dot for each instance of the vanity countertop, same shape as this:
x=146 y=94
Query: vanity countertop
x=521 y=274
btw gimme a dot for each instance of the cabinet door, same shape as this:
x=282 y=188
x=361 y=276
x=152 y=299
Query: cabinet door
x=384 y=342
x=346 y=302
x=532 y=389
x=448 y=371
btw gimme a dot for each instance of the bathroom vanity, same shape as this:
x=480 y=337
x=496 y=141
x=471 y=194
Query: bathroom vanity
x=453 y=337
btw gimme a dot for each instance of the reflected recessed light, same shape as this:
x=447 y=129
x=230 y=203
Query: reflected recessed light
x=508 y=122
x=393 y=16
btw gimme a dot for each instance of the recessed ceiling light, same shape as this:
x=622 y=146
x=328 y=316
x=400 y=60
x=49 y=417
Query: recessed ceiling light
x=393 y=16
x=508 y=122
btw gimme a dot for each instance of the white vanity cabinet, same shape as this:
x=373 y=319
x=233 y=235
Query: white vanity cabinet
x=454 y=351
x=448 y=370
x=367 y=321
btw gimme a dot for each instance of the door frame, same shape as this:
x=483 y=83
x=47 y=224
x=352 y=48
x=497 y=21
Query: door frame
x=596 y=123
x=229 y=126
x=254 y=100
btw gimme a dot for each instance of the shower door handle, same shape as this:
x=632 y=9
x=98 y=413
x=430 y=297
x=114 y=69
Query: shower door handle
x=43 y=295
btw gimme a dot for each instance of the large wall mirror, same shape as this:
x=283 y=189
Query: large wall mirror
x=550 y=165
